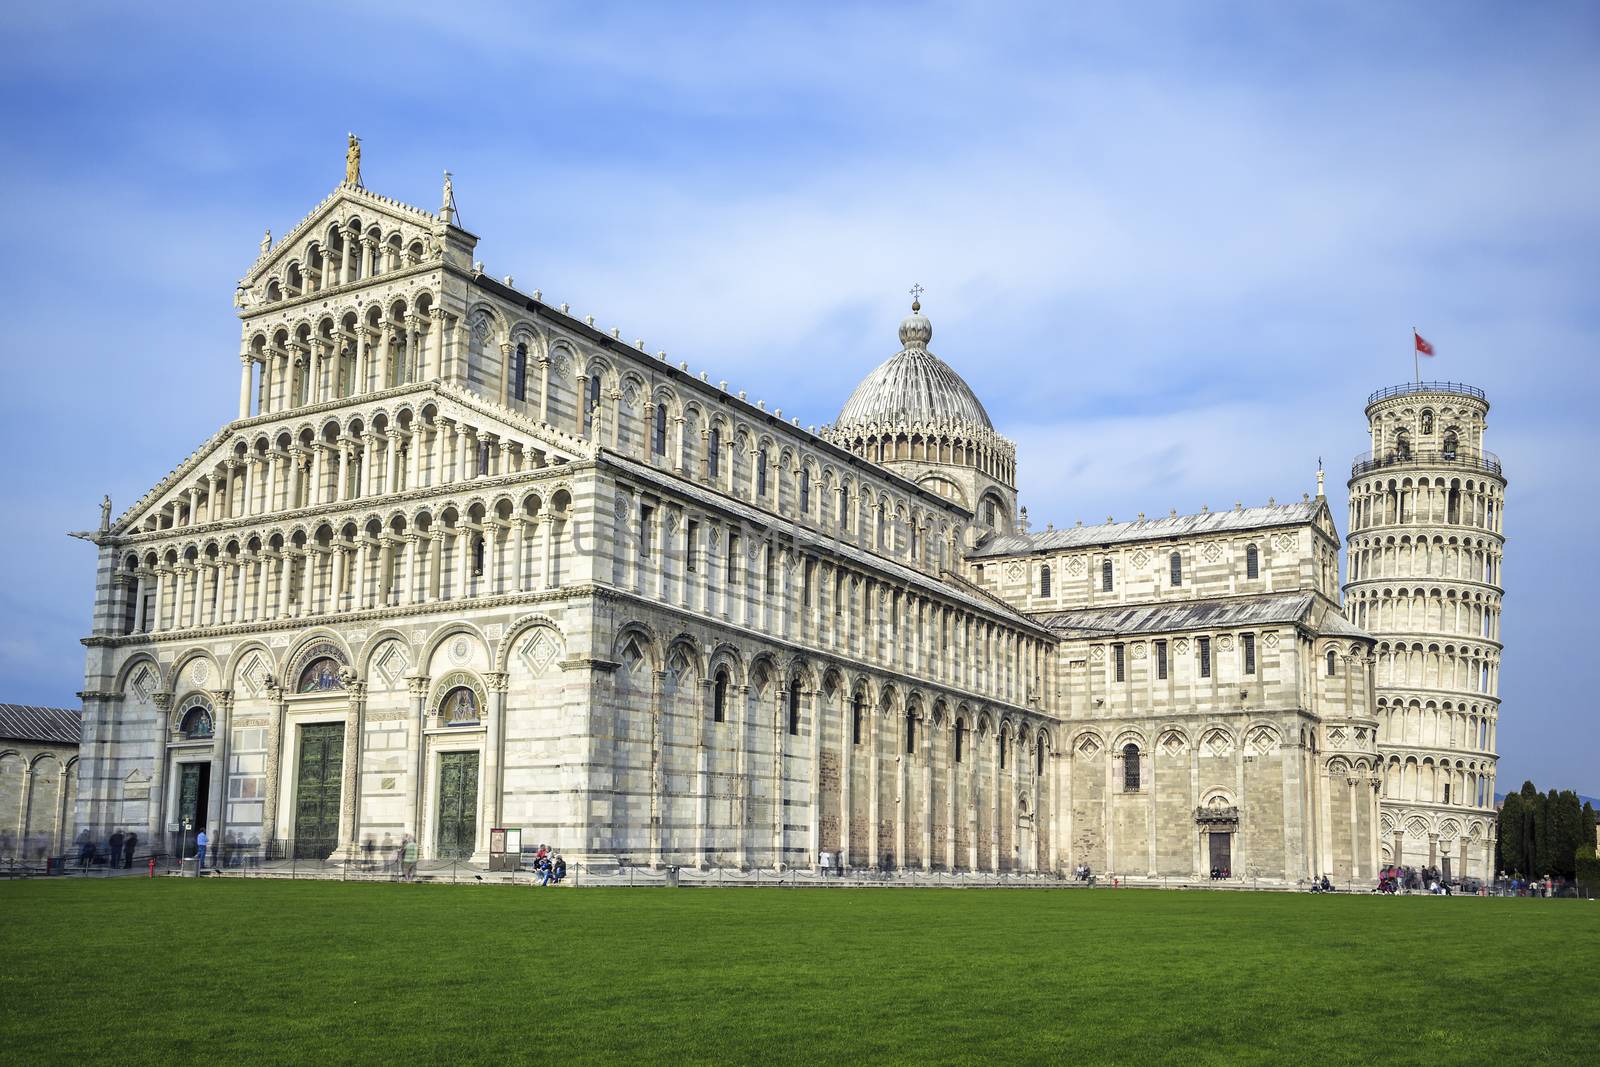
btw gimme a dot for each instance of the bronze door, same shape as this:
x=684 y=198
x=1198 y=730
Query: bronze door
x=1222 y=853
x=317 y=790
x=458 y=804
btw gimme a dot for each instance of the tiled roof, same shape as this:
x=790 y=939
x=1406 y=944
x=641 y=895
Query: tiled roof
x=57 y=726
x=716 y=501
x=1271 y=608
x=1207 y=522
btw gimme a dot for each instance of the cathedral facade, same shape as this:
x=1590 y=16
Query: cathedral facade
x=463 y=560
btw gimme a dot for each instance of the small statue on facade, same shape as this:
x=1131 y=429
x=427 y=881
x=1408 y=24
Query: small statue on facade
x=447 y=206
x=352 y=162
x=105 y=513
x=266 y=241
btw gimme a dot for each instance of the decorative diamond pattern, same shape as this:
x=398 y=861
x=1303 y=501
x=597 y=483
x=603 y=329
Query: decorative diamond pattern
x=538 y=652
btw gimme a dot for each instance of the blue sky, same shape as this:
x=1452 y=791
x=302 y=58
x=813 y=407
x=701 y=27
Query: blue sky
x=1172 y=246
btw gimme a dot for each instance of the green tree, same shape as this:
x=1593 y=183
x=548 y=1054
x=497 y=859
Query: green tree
x=1566 y=831
x=1511 y=844
x=1532 y=802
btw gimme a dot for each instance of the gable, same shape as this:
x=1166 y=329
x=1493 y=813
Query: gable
x=390 y=223
x=188 y=483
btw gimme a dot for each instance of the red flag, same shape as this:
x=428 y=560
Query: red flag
x=1422 y=346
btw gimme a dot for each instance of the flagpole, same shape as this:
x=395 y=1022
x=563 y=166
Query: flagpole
x=1416 y=361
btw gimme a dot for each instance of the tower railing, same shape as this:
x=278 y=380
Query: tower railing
x=1467 y=458
x=1412 y=388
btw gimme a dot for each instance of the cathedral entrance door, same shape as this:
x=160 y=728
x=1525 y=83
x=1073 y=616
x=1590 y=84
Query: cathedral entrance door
x=317 y=790
x=194 y=793
x=1222 y=852
x=458 y=804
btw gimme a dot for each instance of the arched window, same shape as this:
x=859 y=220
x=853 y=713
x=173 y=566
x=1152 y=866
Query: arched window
x=519 y=373
x=911 y=733
x=961 y=738
x=459 y=706
x=1402 y=445
x=855 y=720
x=1427 y=422
x=719 y=698
x=477 y=556
x=1044 y=580
x=1333 y=662
x=1130 y=768
x=1252 y=562
x=319 y=675
x=1176 y=562
x=658 y=442
x=989 y=513
x=1450 y=444
x=714 y=453
x=197 y=723
x=1105 y=576
x=805 y=491
x=1038 y=757
x=591 y=402
x=844 y=509
x=794 y=708
x=761 y=474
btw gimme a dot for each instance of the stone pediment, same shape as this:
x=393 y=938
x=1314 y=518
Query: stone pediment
x=392 y=223
x=452 y=402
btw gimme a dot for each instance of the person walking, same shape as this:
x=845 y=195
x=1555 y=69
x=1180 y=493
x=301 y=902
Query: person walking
x=115 y=850
x=201 y=840
x=85 y=848
x=129 y=843
x=409 y=848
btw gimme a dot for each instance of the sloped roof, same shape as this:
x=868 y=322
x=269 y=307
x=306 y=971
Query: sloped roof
x=1266 y=609
x=56 y=726
x=1206 y=522
x=716 y=501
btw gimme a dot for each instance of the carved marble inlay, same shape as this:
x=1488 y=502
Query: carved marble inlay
x=539 y=651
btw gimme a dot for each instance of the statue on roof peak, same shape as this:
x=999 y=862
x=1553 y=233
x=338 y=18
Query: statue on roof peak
x=352 y=162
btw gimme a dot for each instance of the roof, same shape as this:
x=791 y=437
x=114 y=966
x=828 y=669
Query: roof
x=1206 y=522
x=1262 y=610
x=914 y=387
x=909 y=576
x=56 y=726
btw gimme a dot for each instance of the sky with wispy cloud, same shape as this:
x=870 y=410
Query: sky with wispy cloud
x=1172 y=246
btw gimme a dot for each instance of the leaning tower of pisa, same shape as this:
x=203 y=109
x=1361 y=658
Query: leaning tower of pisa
x=1427 y=510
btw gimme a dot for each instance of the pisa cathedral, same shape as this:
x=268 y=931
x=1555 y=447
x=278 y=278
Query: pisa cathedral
x=463 y=560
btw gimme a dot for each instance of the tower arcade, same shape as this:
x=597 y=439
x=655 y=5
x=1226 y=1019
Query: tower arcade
x=1424 y=551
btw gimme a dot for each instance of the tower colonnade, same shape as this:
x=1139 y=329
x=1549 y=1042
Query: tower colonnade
x=1425 y=544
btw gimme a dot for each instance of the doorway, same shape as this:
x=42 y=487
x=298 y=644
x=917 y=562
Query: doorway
x=194 y=796
x=318 y=786
x=1222 y=854
x=458 y=804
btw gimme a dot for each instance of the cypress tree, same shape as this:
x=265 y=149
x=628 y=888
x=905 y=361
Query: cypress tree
x=1544 y=838
x=1532 y=801
x=1566 y=831
x=1510 y=845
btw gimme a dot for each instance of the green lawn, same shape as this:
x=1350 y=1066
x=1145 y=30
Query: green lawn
x=134 y=970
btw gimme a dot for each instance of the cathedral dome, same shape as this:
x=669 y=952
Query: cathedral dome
x=914 y=388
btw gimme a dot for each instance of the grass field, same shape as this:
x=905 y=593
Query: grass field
x=135 y=970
